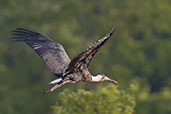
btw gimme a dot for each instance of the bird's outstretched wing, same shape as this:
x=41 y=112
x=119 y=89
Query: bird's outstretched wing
x=51 y=52
x=84 y=58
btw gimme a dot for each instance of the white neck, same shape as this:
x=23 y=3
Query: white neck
x=96 y=78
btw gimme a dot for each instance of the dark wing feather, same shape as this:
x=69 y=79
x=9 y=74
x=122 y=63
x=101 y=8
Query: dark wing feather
x=84 y=58
x=51 y=52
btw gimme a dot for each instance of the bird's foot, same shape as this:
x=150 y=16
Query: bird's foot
x=48 y=91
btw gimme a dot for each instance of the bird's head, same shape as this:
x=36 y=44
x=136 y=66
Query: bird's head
x=102 y=77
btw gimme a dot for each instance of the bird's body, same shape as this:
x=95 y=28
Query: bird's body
x=57 y=60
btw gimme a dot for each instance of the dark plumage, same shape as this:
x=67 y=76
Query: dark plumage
x=57 y=60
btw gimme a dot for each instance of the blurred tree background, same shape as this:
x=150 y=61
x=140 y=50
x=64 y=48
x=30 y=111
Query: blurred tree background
x=138 y=56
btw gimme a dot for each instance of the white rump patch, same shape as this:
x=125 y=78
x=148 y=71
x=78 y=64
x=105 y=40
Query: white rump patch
x=55 y=81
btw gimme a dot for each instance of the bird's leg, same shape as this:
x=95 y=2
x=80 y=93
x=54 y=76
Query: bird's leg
x=57 y=86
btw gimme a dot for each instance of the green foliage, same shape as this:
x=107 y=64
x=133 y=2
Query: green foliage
x=140 y=49
x=156 y=103
x=107 y=100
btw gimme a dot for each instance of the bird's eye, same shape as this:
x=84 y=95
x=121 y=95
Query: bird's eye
x=103 y=77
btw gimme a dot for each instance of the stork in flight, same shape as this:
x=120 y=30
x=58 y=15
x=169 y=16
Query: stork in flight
x=57 y=60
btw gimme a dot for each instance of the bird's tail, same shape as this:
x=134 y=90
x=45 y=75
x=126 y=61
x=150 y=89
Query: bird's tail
x=55 y=81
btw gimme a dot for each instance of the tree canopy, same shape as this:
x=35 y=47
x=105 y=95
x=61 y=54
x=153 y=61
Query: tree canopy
x=139 y=51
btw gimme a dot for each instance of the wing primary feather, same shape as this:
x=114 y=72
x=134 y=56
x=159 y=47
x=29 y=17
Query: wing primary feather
x=86 y=56
x=22 y=29
x=52 y=53
x=23 y=32
x=20 y=34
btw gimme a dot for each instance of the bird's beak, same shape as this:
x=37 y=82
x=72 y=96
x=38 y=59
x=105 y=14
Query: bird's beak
x=110 y=80
x=113 y=81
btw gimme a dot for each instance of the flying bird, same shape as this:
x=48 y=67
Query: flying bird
x=55 y=57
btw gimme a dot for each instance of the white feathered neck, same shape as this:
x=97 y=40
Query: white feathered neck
x=96 y=78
